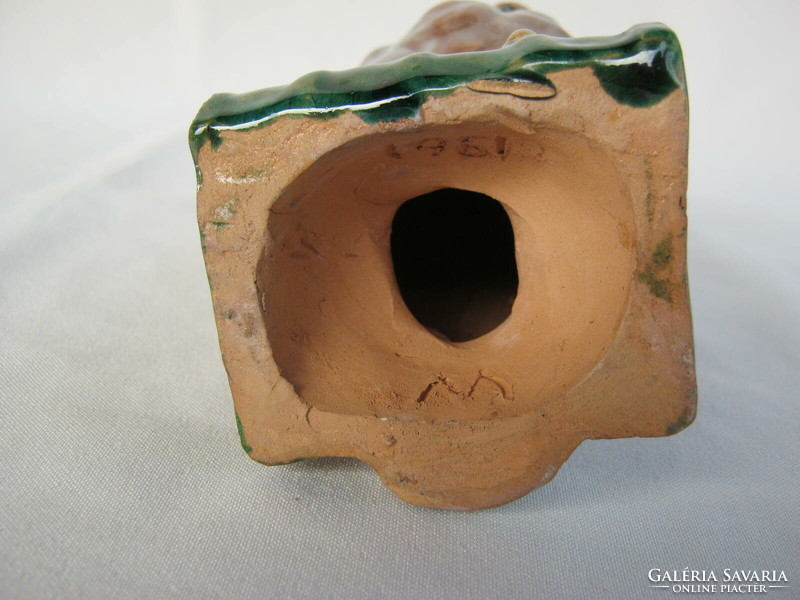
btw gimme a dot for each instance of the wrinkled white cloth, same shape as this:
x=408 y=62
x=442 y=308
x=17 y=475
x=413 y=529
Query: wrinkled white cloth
x=122 y=474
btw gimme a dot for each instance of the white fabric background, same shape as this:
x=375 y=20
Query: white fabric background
x=122 y=475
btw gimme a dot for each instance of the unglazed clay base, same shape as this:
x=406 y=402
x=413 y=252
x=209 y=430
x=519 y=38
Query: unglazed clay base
x=546 y=182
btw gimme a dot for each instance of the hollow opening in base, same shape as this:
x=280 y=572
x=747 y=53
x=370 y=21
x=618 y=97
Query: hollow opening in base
x=383 y=224
x=454 y=260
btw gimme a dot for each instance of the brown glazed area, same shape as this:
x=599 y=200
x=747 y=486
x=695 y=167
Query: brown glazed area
x=467 y=27
x=323 y=353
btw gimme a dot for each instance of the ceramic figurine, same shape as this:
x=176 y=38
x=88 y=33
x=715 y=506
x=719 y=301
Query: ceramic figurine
x=459 y=260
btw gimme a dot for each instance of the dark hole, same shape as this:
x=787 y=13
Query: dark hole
x=453 y=255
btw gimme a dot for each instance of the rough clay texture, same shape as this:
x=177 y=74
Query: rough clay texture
x=325 y=359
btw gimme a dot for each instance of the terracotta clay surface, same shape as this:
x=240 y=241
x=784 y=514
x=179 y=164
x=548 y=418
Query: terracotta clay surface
x=588 y=161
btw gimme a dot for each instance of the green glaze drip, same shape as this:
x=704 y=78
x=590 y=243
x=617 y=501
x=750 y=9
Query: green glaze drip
x=241 y=434
x=659 y=260
x=663 y=253
x=658 y=287
x=650 y=199
x=681 y=423
x=638 y=68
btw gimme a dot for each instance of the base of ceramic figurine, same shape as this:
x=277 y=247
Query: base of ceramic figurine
x=455 y=287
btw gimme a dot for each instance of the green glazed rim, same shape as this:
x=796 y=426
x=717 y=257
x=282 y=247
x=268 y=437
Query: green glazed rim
x=639 y=68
